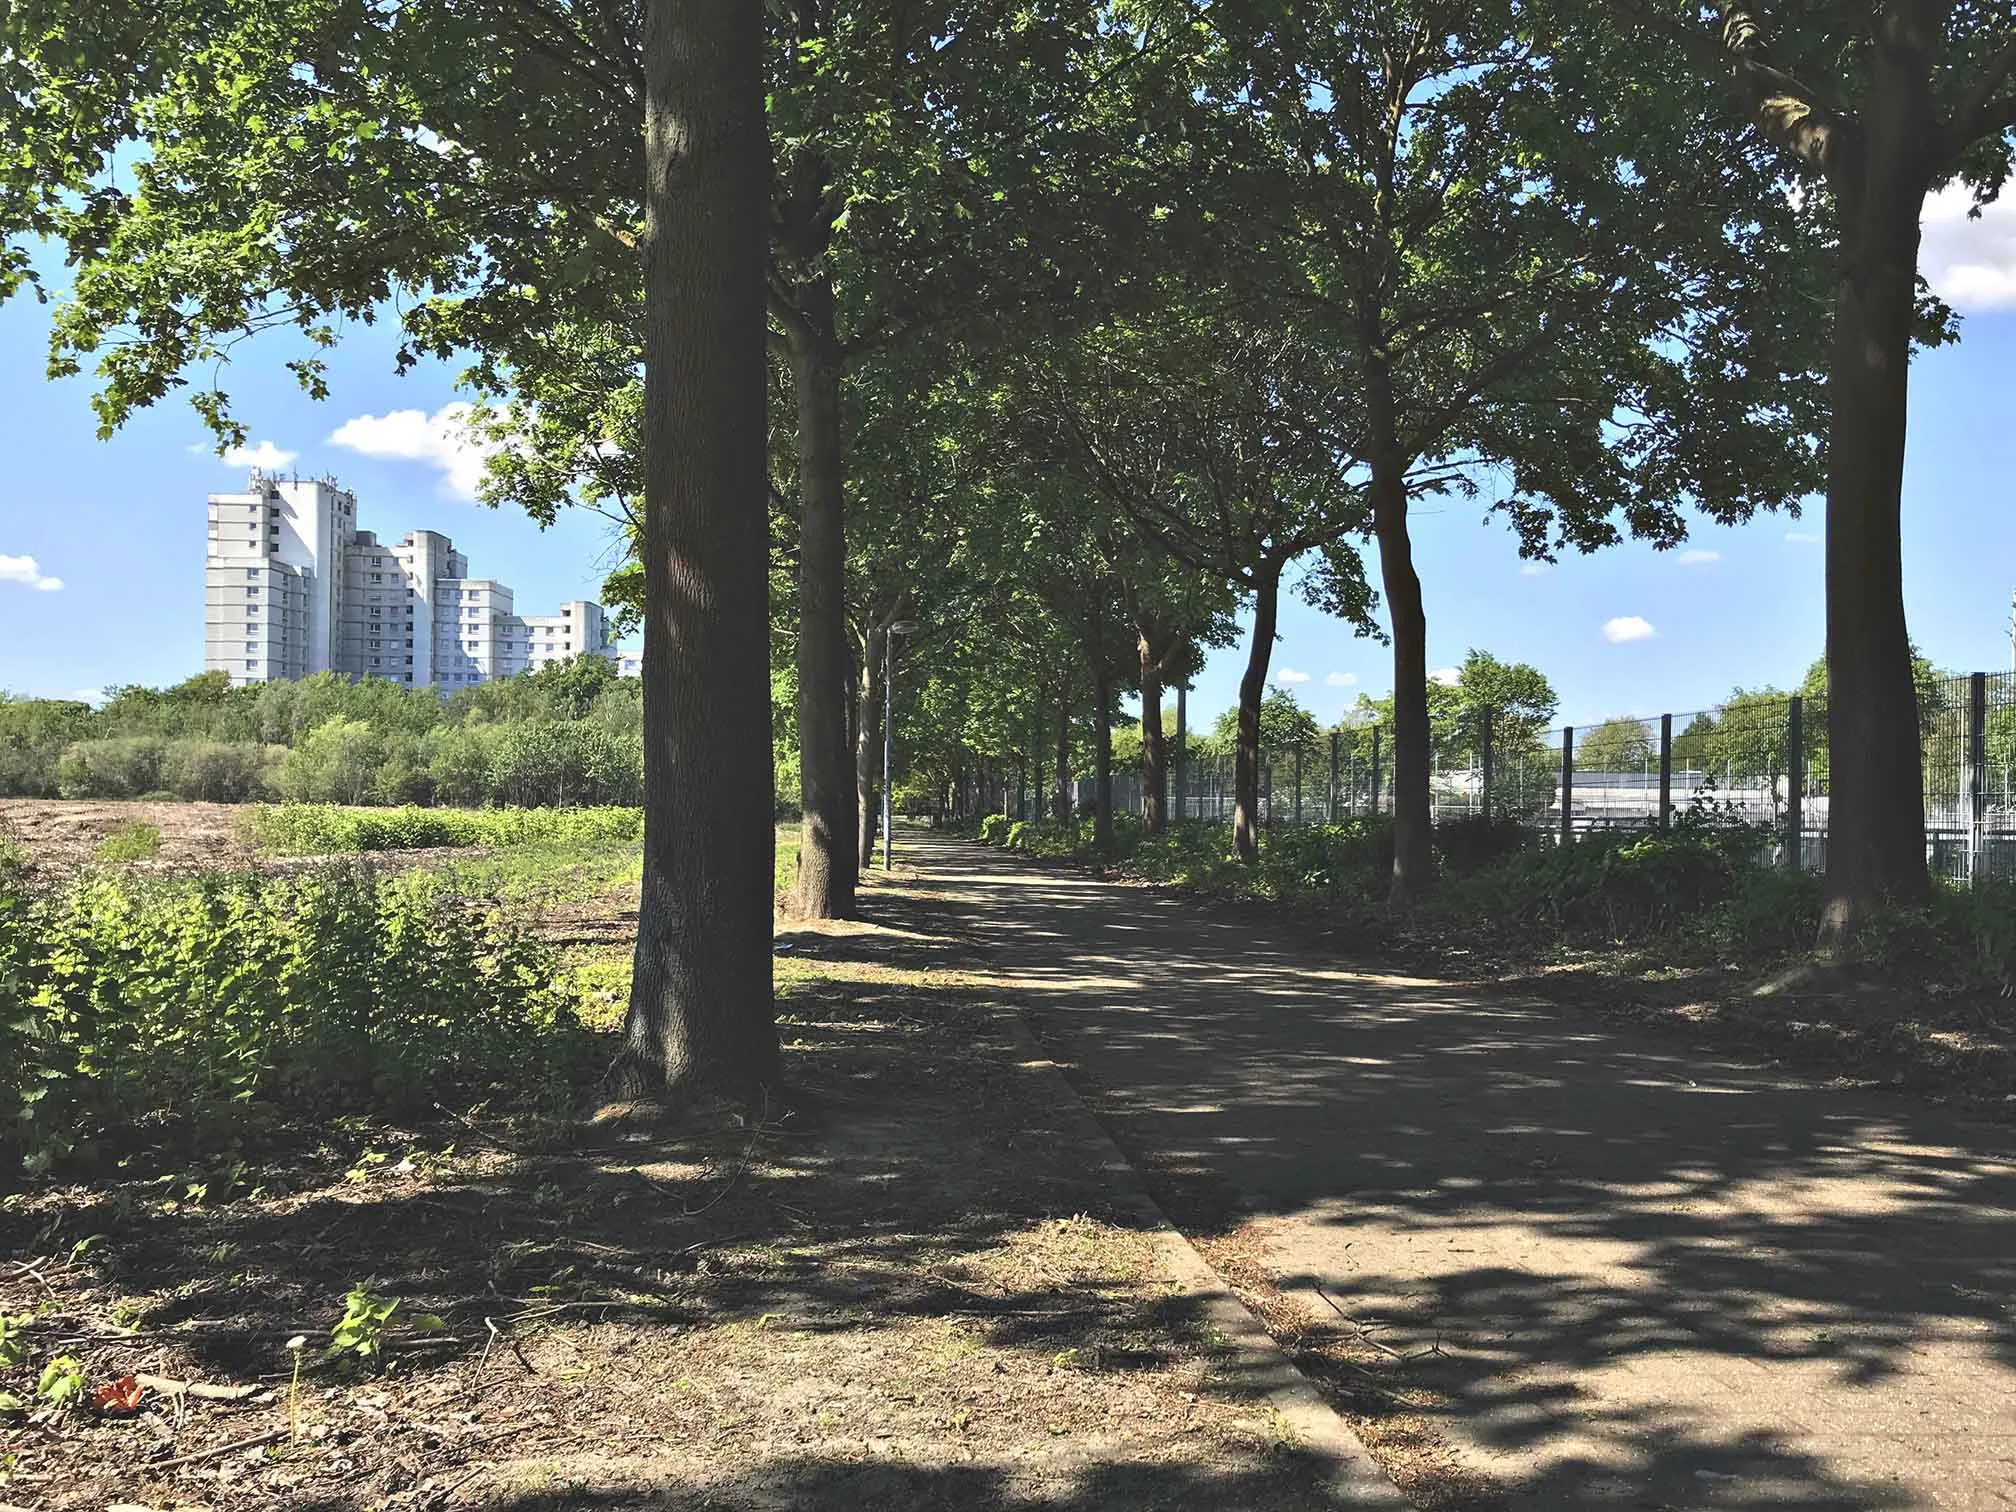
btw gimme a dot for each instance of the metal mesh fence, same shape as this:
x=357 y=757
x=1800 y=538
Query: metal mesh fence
x=1757 y=760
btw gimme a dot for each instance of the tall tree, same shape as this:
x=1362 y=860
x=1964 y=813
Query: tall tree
x=701 y=1016
x=1513 y=269
x=1870 y=107
x=1194 y=421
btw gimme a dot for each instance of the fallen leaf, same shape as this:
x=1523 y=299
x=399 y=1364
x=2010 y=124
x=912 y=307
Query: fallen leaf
x=122 y=1395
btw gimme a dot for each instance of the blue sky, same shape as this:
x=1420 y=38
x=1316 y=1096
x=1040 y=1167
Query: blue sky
x=120 y=525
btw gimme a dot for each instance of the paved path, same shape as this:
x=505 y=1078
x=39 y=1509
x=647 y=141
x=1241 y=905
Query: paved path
x=1658 y=1280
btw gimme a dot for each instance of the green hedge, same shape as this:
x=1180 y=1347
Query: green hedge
x=317 y=829
x=126 y=1001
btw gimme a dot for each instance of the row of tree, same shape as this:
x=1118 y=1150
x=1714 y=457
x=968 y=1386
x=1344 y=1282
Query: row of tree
x=1052 y=331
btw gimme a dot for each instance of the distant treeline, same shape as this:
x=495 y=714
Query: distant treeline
x=569 y=734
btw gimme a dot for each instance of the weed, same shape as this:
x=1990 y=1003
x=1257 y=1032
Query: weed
x=134 y=840
x=62 y=1381
x=361 y=1330
x=13 y=1347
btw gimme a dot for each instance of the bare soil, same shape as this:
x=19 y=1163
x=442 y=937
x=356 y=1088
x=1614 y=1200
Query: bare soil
x=61 y=837
x=916 y=1297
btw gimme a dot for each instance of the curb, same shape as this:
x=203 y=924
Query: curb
x=1257 y=1362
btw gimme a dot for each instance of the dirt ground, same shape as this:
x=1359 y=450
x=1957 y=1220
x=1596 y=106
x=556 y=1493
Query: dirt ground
x=62 y=835
x=913 y=1296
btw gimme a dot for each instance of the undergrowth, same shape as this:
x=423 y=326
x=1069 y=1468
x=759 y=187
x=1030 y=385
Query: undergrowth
x=131 y=1003
x=1704 y=891
x=318 y=829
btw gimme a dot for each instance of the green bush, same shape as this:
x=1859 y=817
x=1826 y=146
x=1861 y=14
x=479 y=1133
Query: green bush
x=131 y=841
x=128 y=1001
x=314 y=829
x=1769 y=911
x=994 y=829
x=1473 y=842
x=120 y=768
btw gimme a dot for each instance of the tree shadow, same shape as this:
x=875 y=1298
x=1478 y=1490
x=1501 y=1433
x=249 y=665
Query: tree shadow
x=1617 y=1264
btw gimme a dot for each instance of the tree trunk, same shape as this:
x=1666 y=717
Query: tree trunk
x=1252 y=689
x=1154 y=767
x=1876 y=799
x=1413 y=834
x=1062 y=805
x=701 y=1019
x=868 y=743
x=828 y=862
x=1102 y=762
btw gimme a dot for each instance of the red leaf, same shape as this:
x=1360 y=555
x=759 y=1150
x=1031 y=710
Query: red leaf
x=122 y=1395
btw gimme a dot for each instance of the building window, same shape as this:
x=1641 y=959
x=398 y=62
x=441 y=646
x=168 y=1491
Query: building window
x=251 y=572
x=409 y=661
x=251 y=593
x=250 y=665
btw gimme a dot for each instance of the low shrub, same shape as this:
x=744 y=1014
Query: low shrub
x=1768 y=912
x=1618 y=884
x=1473 y=842
x=994 y=829
x=131 y=841
x=128 y=1001
x=316 y=829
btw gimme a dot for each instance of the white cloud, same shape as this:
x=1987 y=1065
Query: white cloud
x=1804 y=537
x=1290 y=677
x=1449 y=677
x=1341 y=680
x=93 y=696
x=25 y=570
x=265 y=456
x=1698 y=558
x=442 y=439
x=1970 y=263
x=1535 y=569
x=1627 y=627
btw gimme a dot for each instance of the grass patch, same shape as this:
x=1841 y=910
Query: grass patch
x=321 y=829
x=135 y=840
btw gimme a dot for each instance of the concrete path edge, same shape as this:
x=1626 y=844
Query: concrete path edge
x=1353 y=1474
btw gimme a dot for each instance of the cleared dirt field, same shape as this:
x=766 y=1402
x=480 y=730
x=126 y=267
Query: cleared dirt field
x=60 y=834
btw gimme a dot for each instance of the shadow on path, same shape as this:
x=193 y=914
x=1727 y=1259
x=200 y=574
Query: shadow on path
x=1632 y=1275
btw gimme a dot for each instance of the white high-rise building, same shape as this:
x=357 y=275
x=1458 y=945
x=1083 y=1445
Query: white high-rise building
x=292 y=586
x=579 y=626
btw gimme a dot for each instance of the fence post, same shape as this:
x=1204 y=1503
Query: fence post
x=1375 y=769
x=1298 y=784
x=1665 y=771
x=1795 y=782
x=1484 y=764
x=1330 y=794
x=1182 y=745
x=1977 y=771
x=1567 y=784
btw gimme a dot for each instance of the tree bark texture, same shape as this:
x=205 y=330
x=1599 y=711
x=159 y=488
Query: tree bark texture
x=1154 y=765
x=868 y=743
x=1252 y=689
x=1413 y=833
x=701 y=1018
x=1102 y=762
x=828 y=858
x=1061 y=805
x=1876 y=799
